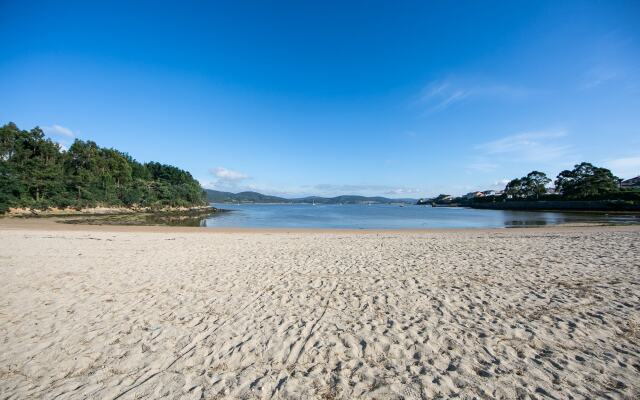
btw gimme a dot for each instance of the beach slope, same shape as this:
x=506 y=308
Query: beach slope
x=184 y=314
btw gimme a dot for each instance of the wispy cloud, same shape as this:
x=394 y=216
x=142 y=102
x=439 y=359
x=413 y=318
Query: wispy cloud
x=482 y=167
x=329 y=187
x=323 y=189
x=59 y=130
x=537 y=149
x=402 y=192
x=600 y=75
x=441 y=94
x=539 y=146
x=363 y=190
x=612 y=61
x=625 y=167
x=60 y=134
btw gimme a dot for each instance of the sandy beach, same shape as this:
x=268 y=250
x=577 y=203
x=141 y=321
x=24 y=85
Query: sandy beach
x=121 y=312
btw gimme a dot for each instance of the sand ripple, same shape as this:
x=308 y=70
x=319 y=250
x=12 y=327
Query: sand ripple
x=510 y=314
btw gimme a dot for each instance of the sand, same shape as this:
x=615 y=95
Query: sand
x=171 y=313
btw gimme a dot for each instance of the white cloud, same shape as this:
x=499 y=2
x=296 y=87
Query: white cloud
x=540 y=146
x=324 y=190
x=58 y=130
x=402 y=192
x=60 y=134
x=227 y=180
x=228 y=175
x=345 y=189
x=535 y=150
x=441 y=94
x=626 y=167
x=362 y=190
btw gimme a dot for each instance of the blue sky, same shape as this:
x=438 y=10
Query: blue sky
x=403 y=99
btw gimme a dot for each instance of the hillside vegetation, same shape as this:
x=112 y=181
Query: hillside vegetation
x=36 y=173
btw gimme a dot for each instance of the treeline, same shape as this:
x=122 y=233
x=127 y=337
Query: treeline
x=36 y=173
x=585 y=182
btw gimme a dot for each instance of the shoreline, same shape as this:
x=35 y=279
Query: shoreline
x=554 y=210
x=596 y=206
x=51 y=223
x=101 y=211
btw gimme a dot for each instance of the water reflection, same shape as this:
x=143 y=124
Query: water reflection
x=515 y=223
x=392 y=217
x=193 y=218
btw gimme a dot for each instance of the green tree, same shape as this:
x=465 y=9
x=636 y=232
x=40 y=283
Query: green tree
x=12 y=188
x=514 y=188
x=586 y=180
x=536 y=184
x=41 y=170
x=530 y=186
x=82 y=172
x=36 y=172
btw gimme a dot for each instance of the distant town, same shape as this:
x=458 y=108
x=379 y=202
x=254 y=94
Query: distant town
x=586 y=187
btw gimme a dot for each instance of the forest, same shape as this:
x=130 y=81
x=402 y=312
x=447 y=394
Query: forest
x=35 y=172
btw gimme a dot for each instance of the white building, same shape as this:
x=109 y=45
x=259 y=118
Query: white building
x=633 y=183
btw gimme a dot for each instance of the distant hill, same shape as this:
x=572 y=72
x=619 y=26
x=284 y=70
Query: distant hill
x=349 y=199
x=215 y=196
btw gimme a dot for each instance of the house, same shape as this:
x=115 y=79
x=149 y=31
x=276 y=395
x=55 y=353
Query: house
x=473 y=195
x=489 y=193
x=441 y=199
x=633 y=183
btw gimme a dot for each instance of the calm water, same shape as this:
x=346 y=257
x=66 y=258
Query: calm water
x=388 y=217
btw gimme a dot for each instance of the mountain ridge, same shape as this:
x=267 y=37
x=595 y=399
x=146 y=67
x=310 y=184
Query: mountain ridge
x=216 y=196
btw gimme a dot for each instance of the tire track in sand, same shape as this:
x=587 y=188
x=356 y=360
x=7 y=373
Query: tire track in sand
x=194 y=343
x=282 y=375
